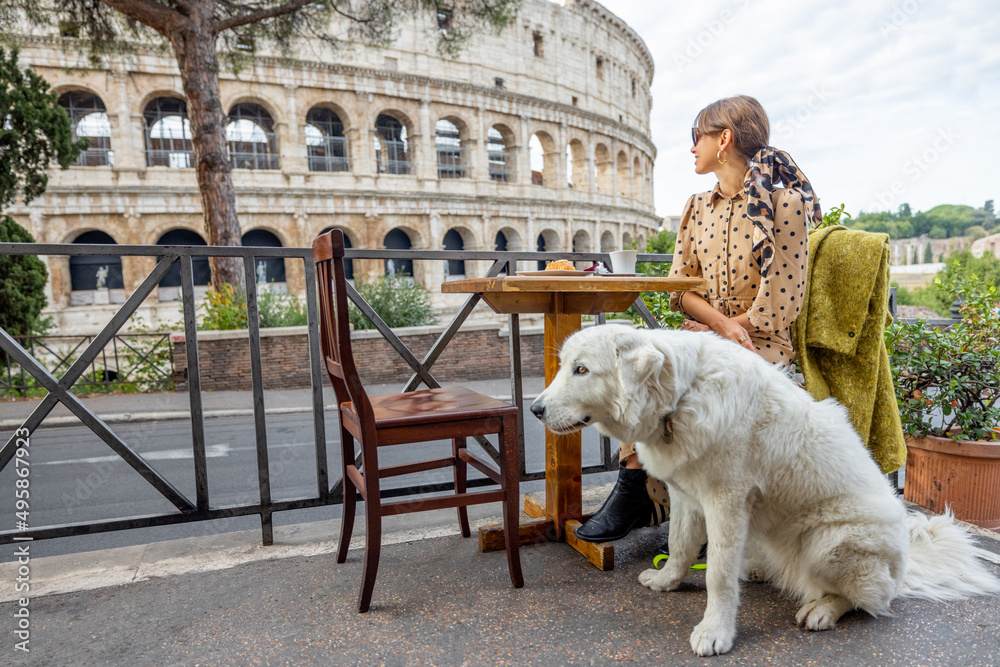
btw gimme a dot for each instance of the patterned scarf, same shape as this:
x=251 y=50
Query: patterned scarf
x=768 y=166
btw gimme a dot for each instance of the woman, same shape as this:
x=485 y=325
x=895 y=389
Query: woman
x=749 y=240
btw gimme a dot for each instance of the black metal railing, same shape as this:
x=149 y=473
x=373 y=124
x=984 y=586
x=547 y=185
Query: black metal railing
x=133 y=362
x=200 y=508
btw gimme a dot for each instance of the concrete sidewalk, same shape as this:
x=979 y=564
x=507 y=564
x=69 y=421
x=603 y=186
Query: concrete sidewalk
x=226 y=600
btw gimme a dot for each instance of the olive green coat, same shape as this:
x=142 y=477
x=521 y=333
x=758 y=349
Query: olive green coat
x=839 y=335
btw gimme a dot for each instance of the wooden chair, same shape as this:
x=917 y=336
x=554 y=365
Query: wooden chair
x=453 y=413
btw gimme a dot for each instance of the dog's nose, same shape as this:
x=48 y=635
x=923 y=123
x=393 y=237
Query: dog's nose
x=537 y=409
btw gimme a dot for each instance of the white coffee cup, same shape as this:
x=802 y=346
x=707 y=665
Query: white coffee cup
x=623 y=261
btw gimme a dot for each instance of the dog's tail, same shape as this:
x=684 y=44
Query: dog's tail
x=944 y=561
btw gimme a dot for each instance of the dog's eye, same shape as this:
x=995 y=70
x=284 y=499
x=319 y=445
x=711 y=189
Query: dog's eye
x=580 y=370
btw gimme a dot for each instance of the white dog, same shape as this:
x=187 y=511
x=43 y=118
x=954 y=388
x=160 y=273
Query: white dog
x=760 y=470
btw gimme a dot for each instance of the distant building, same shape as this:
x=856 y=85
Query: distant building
x=537 y=138
x=987 y=244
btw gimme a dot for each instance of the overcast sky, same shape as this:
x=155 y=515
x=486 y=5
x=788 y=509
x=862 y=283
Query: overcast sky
x=879 y=102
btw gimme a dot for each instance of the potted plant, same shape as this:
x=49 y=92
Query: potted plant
x=947 y=386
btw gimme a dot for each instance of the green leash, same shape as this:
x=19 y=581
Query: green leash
x=660 y=559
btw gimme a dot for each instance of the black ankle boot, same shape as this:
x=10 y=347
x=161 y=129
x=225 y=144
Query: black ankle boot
x=629 y=506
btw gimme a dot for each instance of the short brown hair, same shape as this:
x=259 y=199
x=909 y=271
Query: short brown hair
x=743 y=116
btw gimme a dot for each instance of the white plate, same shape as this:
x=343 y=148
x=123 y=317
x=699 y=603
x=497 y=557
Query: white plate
x=556 y=272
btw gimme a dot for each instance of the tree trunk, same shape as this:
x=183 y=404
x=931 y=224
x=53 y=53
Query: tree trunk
x=194 y=46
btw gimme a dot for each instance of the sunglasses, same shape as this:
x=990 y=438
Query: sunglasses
x=697 y=134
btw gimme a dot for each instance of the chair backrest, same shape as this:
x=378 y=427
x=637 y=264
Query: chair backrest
x=334 y=317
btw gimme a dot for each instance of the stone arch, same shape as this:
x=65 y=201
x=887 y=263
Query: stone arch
x=454 y=239
x=626 y=239
x=547 y=241
x=327 y=145
x=450 y=136
x=637 y=180
x=543 y=157
x=581 y=241
x=392 y=145
x=501 y=154
x=251 y=137
x=398 y=238
x=89 y=119
x=267 y=269
x=167 y=133
x=92 y=272
x=576 y=164
x=602 y=164
x=199 y=265
x=623 y=175
x=512 y=238
x=607 y=242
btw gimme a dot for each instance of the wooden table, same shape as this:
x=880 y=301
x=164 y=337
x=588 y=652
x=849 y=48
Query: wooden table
x=562 y=300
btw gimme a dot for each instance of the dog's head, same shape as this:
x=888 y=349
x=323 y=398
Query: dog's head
x=609 y=376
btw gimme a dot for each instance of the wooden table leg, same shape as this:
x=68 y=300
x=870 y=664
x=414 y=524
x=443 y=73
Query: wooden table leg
x=563 y=467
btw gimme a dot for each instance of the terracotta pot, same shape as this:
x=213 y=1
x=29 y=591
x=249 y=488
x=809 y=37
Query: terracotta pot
x=963 y=475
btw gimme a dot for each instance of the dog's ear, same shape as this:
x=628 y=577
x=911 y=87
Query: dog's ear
x=638 y=363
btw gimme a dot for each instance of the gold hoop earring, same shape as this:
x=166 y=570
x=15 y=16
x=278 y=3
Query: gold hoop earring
x=718 y=156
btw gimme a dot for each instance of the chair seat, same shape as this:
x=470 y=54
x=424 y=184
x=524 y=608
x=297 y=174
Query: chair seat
x=430 y=406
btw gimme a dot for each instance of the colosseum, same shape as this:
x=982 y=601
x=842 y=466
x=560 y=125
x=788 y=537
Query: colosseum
x=534 y=139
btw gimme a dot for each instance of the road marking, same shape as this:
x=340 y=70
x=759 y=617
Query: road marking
x=211 y=451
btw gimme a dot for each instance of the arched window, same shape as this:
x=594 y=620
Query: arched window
x=602 y=161
x=348 y=263
x=170 y=284
x=268 y=269
x=392 y=155
x=540 y=247
x=89 y=120
x=454 y=267
x=499 y=156
x=325 y=141
x=253 y=143
x=501 y=242
x=397 y=239
x=537 y=158
x=85 y=271
x=168 y=133
x=623 y=176
x=450 y=152
x=637 y=178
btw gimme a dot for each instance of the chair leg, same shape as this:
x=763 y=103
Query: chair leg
x=461 y=475
x=373 y=523
x=350 y=496
x=511 y=514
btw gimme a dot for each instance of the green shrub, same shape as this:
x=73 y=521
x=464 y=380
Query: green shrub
x=398 y=300
x=280 y=310
x=22 y=284
x=224 y=309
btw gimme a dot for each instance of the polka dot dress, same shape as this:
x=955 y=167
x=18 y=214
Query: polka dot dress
x=715 y=242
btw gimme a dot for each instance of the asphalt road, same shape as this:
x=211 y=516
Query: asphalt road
x=76 y=477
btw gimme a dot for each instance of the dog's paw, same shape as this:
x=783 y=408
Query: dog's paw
x=659 y=580
x=822 y=614
x=755 y=573
x=711 y=639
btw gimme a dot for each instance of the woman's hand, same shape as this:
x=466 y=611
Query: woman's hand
x=729 y=329
x=692 y=325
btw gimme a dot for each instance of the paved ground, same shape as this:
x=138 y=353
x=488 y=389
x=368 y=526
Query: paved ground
x=438 y=601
